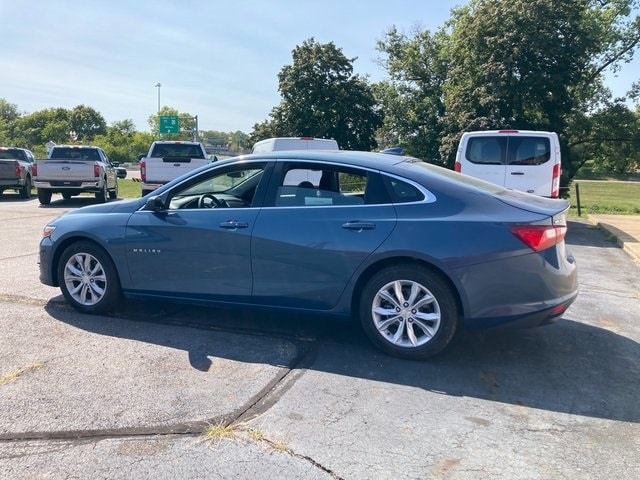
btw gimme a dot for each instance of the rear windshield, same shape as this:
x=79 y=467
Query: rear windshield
x=508 y=150
x=178 y=150
x=12 y=154
x=75 y=153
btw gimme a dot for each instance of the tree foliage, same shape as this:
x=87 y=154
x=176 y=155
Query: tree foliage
x=322 y=97
x=525 y=64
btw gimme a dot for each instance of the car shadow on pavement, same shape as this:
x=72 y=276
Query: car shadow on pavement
x=567 y=367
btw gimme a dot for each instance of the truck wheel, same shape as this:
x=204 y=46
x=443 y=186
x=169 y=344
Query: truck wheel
x=25 y=191
x=88 y=278
x=113 y=194
x=44 y=196
x=101 y=196
x=409 y=311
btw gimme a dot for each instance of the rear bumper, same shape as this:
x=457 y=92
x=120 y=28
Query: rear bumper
x=77 y=185
x=542 y=315
x=12 y=183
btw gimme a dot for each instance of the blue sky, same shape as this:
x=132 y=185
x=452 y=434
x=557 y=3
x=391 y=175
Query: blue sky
x=215 y=59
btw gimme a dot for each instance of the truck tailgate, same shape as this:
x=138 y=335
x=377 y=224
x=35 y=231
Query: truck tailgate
x=8 y=169
x=163 y=170
x=65 y=170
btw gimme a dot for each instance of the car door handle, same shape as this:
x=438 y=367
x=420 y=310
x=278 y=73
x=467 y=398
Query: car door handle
x=233 y=225
x=517 y=173
x=359 y=226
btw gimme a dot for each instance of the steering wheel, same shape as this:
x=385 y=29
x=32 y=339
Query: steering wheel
x=208 y=200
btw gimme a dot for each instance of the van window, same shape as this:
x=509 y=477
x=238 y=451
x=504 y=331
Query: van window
x=512 y=150
x=528 y=150
x=487 y=150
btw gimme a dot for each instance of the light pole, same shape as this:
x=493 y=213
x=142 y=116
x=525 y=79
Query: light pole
x=158 y=85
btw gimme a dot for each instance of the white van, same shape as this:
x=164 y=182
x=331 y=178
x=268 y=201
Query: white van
x=294 y=143
x=524 y=160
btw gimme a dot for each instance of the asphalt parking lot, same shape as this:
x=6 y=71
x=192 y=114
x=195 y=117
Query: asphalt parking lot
x=149 y=391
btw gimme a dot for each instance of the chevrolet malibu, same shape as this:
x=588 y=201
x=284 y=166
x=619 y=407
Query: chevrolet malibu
x=412 y=250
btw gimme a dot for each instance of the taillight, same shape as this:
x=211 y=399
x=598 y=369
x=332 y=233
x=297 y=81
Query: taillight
x=96 y=169
x=540 y=237
x=143 y=170
x=457 y=166
x=18 y=169
x=34 y=169
x=555 y=181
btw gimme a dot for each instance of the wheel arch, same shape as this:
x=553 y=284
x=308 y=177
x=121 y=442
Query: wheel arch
x=376 y=267
x=65 y=243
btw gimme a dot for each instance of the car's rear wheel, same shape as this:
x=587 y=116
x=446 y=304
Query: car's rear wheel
x=409 y=311
x=25 y=190
x=44 y=196
x=88 y=278
x=66 y=195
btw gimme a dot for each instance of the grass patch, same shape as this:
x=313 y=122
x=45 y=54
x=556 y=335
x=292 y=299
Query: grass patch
x=219 y=431
x=127 y=188
x=605 y=197
x=19 y=372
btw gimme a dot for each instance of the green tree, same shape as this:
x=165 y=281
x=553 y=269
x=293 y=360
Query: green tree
x=86 y=122
x=525 y=64
x=532 y=64
x=8 y=116
x=123 y=143
x=412 y=99
x=322 y=97
x=37 y=128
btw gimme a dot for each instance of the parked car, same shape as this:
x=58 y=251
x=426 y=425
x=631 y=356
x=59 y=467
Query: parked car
x=121 y=172
x=524 y=160
x=413 y=250
x=16 y=170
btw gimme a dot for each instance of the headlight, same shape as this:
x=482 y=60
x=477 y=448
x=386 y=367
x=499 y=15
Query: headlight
x=48 y=231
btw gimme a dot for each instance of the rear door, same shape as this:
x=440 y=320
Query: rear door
x=529 y=163
x=320 y=222
x=483 y=156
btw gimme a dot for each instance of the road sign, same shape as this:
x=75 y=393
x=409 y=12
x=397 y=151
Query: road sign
x=169 y=124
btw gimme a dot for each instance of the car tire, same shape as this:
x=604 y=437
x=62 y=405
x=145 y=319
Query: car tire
x=101 y=196
x=66 y=196
x=113 y=194
x=88 y=278
x=25 y=190
x=44 y=196
x=409 y=311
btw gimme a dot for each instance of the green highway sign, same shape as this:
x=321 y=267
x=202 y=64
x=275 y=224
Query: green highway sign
x=169 y=124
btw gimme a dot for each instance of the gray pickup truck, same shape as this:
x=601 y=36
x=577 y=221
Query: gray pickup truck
x=73 y=169
x=16 y=170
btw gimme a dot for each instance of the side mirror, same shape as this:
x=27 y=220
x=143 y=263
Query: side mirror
x=115 y=164
x=154 y=204
x=141 y=156
x=213 y=158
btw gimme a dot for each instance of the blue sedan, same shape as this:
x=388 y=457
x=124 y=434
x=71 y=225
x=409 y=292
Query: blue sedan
x=412 y=250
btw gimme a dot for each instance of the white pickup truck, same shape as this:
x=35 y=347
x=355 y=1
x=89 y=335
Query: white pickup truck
x=73 y=169
x=167 y=160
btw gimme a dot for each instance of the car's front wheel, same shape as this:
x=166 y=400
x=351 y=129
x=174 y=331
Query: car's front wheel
x=88 y=278
x=409 y=311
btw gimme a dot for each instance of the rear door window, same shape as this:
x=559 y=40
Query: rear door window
x=487 y=150
x=528 y=150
